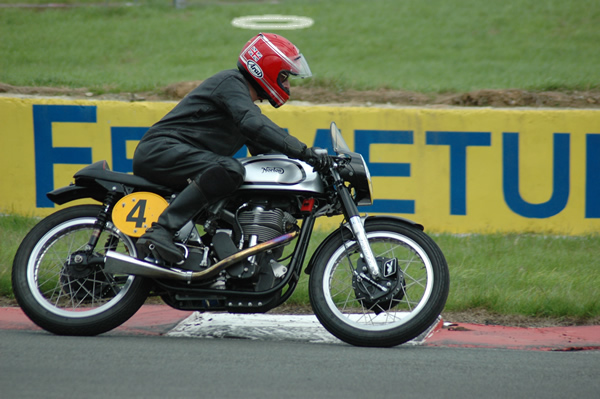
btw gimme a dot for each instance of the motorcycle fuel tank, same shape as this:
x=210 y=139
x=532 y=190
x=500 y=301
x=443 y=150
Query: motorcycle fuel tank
x=278 y=172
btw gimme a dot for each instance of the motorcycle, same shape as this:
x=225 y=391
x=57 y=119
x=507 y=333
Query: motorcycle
x=375 y=281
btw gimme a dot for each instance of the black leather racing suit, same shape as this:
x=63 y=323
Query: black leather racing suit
x=206 y=129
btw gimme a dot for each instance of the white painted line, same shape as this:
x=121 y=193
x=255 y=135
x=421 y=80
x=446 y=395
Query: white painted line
x=253 y=326
x=305 y=328
x=262 y=22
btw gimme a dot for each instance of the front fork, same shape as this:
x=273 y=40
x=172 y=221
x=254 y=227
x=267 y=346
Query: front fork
x=357 y=226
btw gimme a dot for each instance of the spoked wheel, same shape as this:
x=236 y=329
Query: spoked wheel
x=61 y=284
x=397 y=307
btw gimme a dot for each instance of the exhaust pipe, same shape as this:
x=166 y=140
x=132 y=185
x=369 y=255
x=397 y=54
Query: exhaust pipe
x=115 y=262
x=118 y=263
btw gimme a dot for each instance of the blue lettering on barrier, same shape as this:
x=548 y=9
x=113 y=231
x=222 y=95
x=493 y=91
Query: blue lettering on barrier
x=323 y=140
x=560 y=179
x=119 y=137
x=242 y=153
x=46 y=156
x=362 y=143
x=458 y=143
x=363 y=140
x=592 y=176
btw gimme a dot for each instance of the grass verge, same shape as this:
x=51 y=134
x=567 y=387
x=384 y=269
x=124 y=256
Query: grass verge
x=13 y=229
x=433 y=46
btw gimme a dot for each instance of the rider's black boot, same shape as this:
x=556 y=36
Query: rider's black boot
x=158 y=239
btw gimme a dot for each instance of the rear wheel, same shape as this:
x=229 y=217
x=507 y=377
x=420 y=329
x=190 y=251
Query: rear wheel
x=403 y=303
x=61 y=284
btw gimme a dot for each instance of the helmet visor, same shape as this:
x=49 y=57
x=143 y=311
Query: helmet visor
x=299 y=67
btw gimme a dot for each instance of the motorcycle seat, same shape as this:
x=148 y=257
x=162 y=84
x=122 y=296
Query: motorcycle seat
x=101 y=170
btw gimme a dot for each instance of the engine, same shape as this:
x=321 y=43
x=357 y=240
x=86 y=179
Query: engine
x=260 y=225
x=257 y=223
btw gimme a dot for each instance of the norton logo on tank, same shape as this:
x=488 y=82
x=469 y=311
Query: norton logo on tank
x=273 y=169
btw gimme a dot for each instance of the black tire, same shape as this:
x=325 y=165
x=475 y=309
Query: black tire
x=423 y=286
x=67 y=299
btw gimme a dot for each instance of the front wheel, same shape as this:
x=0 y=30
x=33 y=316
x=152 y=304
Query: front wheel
x=60 y=282
x=403 y=303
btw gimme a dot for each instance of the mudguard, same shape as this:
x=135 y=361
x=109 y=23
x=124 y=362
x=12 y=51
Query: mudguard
x=72 y=192
x=368 y=219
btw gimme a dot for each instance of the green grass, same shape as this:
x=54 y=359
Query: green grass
x=526 y=274
x=520 y=274
x=426 y=46
x=13 y=229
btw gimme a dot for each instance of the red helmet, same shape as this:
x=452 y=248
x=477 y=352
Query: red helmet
x=267 y=59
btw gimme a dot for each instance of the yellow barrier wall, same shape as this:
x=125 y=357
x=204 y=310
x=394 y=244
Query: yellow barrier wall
x=453 y=170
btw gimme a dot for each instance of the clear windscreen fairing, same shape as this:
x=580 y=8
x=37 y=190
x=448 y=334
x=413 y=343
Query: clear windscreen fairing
x=356 y=172
x=339 y=144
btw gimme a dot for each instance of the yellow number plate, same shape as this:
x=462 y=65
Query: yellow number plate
x=134 y=213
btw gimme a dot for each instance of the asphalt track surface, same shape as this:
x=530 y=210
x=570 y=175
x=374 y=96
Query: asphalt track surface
x=165 y=353
x=163 y=320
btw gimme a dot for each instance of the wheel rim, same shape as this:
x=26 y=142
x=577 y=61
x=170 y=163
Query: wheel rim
x=85 y=292
x=418 y=275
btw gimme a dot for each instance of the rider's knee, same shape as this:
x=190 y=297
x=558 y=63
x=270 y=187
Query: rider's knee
x=221 y=179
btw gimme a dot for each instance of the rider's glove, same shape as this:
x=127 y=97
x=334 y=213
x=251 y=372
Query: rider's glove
x=317 y=158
